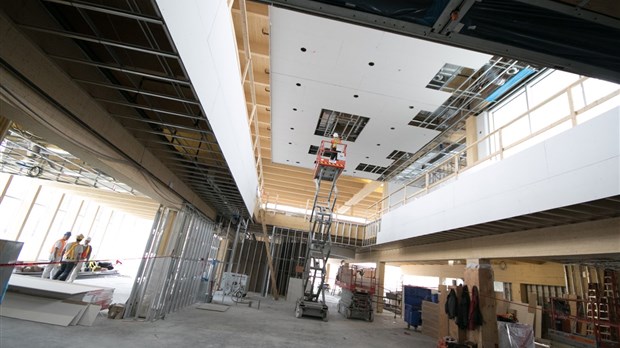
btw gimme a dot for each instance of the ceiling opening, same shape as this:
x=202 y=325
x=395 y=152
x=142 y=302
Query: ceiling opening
x=370 y=168
x=348 y=126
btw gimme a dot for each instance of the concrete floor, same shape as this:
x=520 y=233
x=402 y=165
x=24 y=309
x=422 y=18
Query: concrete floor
x=273 y=325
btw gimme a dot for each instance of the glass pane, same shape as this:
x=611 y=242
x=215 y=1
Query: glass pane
x=33 y=232
x=596 y=89
x=509 y=111
x=9 y=225
x=515 y=132
x=549 y=113
x=553 y=83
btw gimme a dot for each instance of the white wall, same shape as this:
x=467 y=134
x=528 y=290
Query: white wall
x=203 y=34
x=579 y=165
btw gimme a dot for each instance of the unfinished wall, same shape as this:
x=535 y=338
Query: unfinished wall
x=516 y=273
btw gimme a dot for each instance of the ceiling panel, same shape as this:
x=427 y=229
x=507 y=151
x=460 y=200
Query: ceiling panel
x=320 y=64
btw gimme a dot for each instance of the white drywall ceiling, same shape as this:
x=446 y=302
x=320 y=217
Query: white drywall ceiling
x=334 y=68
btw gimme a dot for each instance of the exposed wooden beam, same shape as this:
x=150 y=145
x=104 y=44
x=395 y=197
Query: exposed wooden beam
x=359 y=196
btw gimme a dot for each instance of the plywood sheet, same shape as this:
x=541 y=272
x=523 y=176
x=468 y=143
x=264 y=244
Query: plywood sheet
x=39 y=309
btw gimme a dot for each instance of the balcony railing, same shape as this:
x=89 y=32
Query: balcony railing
x=499 y=144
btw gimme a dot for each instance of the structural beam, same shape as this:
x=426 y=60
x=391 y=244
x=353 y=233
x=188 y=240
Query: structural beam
x=359 y=196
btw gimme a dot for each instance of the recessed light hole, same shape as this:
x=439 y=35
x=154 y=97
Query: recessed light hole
x=298 y=84
x=371 y=63
x=355 y=96
x=303 y=49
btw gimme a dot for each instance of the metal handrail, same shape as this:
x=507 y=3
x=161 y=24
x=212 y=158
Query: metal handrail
x=385 y=204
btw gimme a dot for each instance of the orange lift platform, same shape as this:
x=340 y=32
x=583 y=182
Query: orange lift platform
x=329 y=165
x=358 y=289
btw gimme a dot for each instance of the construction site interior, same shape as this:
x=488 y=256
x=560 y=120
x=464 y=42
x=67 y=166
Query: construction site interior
x=310 y=173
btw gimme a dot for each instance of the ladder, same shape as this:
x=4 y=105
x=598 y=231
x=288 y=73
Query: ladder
x=327 y=171
x=609 y=310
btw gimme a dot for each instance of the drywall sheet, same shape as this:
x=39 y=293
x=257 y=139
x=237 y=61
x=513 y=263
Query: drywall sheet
x=39 y=309
x=61 y=290
x=89 y=316
x=295 y=289
x=213 y=307
x=23 y=283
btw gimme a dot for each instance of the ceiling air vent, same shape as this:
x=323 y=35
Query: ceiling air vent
x=369 y=168
x=348 y=126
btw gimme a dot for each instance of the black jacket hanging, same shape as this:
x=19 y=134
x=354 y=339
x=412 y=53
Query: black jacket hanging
x=462 y=317
x=451 y=304
x=475 y=316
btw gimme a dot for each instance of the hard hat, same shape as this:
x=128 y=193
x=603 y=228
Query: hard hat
x=68 y=234
x=88 y=238
x=79 y=237
x=335 y=135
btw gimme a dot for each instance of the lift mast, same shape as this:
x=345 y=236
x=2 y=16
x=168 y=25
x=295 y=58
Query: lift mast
x=329 y=165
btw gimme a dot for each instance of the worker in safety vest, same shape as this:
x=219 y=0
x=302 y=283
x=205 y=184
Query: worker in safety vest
x=84 y=257
x=55 y=256
x=334 y=147
x=72 y=254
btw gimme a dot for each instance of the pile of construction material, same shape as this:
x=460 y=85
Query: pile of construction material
x=54 y=302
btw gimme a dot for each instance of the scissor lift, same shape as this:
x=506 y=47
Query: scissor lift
x=358 y=289
x=329 y=166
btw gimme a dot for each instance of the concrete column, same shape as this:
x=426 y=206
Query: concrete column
x=479 y=273
x=380 y=285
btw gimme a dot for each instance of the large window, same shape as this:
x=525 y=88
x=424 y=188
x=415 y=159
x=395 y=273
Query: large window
x=38 y=214
x=547 y=106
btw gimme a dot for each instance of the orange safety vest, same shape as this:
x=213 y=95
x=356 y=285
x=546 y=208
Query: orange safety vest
x=62 y=247
x=86 y=251
x=335 y=143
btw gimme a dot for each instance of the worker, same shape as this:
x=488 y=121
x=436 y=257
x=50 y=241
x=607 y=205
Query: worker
x=55 y=256
x=334 y=147
x=84 y=258
x=71 y=256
